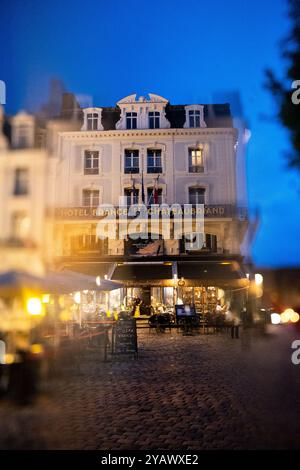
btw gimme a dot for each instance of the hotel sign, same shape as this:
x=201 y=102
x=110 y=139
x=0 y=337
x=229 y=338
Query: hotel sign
x=88 y=213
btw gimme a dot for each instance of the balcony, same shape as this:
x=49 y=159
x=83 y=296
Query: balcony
x=154 y=169
x=196 y=169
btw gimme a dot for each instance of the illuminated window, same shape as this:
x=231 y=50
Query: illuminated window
x=131 y=120
x=90 y=197
x=21 y=186
x=196 y=160
x=154 y=120
x=91 y=162
x=131 y=161
x=20 y=225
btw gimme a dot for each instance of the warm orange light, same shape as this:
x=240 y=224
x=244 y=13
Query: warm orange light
x=46 y=298
x=294 y=317
x=258 y=279
x=285 y=316
x=9 y=359
x=77 y=297
x=259 y=291
x=34 y=306
x=65 y=315
x=36 y=348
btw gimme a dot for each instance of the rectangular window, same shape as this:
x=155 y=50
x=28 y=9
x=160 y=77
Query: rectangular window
x=132 y=196
x=131 y=120
x=91 y=162
x=131 y=163
x=20 y=225
x=88 y=243
x=154 y=120
x=23 y=136
x=194 y=118
x=21 y=186
x=92 y=121
x=90 y=197
x=211 y=242
x=196 y=195
x=196 y=160
x=154 y=161
x=150 y=196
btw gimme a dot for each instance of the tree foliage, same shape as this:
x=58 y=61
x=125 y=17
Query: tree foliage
x=288 y=112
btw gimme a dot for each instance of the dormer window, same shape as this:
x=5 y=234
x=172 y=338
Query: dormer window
x=92 y=119
x=131 y=120
x=23 y=130
x=154 y=120
x=145 y=112
x=194 y=116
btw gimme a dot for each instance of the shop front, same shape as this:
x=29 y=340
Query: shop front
x=160 y=285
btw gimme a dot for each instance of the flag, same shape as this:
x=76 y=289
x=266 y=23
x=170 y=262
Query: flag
x=143 y=189
x=151 y=249
x=155 y=191
x=134 y=193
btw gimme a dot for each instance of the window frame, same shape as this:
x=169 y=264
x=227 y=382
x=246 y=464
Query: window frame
x=194 y=111
x=131 y=169
x=154 y=120
x=135 y=199
x=194 y=116
x=94 y=156
x=92 y=196
x=92 y=121
x=21 y=184
x=191 y=188
x=198 y=167
x=157 y=169
x=131 y=117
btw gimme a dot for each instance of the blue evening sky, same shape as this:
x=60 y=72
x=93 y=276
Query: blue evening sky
x=187 y=51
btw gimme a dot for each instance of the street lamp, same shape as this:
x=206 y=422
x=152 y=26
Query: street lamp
x=258 y=279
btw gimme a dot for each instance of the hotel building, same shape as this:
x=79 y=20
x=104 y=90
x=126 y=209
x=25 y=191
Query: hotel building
x=147 y=150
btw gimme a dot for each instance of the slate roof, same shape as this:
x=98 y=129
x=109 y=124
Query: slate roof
x=215 y=115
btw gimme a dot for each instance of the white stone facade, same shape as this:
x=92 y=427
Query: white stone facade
x=217 y=176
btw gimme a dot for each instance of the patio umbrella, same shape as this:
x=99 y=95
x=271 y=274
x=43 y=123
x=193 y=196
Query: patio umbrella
x=13 y=283
x=83 y=281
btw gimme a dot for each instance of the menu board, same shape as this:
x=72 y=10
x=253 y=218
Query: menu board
x=185 y=310
x=124 y=339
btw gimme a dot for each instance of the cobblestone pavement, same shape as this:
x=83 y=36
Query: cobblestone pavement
x=184 y=392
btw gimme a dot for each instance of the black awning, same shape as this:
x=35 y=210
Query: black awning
x=211 y=271
x=92 y=269
x=142 y=272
